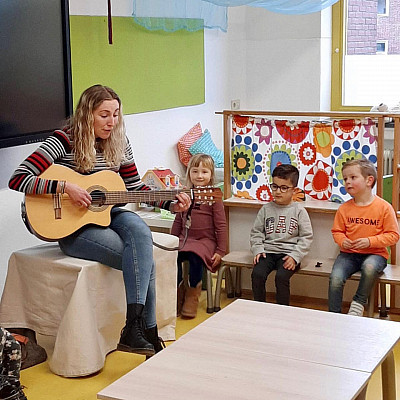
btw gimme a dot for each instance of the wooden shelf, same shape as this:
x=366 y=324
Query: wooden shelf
x=325 y=114
x=311 y=205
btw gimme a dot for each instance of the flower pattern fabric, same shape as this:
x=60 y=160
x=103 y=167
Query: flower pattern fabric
x=317 y=149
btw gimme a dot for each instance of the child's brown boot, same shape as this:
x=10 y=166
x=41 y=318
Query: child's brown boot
x=180 y=298
x=189 y=309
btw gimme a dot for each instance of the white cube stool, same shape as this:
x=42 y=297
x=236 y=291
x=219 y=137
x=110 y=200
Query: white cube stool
x=79 y=302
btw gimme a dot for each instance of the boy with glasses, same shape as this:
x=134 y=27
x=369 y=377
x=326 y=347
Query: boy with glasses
x=281 y=236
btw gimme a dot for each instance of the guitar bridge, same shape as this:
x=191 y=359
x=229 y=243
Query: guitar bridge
x=57 y=205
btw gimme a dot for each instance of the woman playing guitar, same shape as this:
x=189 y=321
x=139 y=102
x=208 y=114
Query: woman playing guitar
x=93 y=140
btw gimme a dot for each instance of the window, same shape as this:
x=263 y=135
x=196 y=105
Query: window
x=365 y=56
x=383 y=7
x=381 y=47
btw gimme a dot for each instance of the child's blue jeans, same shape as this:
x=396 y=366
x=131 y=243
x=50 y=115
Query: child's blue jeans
x=346 y=264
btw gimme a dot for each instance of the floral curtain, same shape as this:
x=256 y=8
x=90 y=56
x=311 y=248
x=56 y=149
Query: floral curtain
x=318 y=149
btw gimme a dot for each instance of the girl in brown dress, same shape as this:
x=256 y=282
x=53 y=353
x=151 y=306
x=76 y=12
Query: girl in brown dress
x=206 y=241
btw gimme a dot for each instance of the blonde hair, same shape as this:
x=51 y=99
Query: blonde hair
x=82 y=126
x=195 y=161
x=366 y=167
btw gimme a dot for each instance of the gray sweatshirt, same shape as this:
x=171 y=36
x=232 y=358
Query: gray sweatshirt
x=282 y=229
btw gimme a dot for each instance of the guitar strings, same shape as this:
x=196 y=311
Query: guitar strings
x=159 y=195
x=199 y=194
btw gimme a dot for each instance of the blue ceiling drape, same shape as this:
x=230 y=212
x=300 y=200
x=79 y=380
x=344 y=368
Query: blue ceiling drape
x=192 y=15
x=279 y=6
x=172 y=15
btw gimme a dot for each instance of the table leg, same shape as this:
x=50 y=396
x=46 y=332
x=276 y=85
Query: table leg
x=362 y=394
x=389 y=378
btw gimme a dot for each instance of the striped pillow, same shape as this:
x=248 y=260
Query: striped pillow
x=186 y=141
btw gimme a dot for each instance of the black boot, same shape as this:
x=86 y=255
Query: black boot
x=133 y=338
x=154 y=339
x=12 y=392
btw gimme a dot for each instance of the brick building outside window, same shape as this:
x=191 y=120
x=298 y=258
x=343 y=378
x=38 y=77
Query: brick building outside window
x=373 y=27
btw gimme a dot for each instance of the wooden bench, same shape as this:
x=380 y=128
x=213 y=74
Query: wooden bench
x=244 y=259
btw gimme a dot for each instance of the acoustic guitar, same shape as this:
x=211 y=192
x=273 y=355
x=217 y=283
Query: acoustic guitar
x=53 y=216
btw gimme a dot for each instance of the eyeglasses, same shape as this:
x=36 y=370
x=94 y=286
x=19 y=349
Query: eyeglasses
x=282 y=188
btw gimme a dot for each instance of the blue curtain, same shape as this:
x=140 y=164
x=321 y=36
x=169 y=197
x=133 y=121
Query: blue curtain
x=192 y=15
x=279 y=6
x=172 y=15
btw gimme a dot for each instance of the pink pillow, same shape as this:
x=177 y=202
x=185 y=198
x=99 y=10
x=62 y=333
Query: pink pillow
x=186 y=141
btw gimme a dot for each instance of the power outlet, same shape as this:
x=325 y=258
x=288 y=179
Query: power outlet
x=235 y=104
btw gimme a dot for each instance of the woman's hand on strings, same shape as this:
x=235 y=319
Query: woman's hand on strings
x=182 y=204
x=80 y=197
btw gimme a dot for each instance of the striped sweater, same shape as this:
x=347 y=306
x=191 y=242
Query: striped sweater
x=57 y=149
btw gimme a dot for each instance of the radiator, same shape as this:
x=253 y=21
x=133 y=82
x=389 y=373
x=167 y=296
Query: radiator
x=388 y=162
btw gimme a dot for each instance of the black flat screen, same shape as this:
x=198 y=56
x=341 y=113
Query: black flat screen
x=35 y=73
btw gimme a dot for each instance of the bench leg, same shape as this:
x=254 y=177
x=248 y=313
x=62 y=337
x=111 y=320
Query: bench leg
x=229 y=284
x=383 y=310
x=217 y=303
x=238 y=286
x=371 y=304
x=210 y=303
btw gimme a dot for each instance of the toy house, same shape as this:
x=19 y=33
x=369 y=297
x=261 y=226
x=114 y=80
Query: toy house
x=161 y=178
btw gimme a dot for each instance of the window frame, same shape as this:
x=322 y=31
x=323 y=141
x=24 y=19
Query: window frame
x=386 y=42
x=338 y=49
x=386 y=8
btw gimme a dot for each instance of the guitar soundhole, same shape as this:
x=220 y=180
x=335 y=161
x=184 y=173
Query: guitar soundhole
x=98 y=200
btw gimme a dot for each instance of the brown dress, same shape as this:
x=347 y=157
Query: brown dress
x=207 y=234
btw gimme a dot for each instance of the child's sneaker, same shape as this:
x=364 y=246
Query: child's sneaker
x=356 y=309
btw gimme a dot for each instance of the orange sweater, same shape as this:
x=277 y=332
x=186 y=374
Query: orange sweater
x=377 y=222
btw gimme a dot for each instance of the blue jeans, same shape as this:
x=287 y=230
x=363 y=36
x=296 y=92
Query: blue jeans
x=126 y=244
x=346 y=264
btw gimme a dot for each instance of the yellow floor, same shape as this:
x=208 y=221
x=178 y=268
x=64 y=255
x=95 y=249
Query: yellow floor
x=41 y=384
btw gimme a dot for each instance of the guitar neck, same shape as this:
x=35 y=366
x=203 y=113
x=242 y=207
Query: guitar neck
x=117 y=197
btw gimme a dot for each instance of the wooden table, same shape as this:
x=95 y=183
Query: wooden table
x=252 y=350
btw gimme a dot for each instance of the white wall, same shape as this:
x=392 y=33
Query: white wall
x=285 y=55
x=154 y=135
x=266 y=60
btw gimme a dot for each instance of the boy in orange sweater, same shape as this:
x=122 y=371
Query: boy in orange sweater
x=363 y=228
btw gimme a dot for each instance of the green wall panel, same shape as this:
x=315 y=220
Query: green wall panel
x=150 y=70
